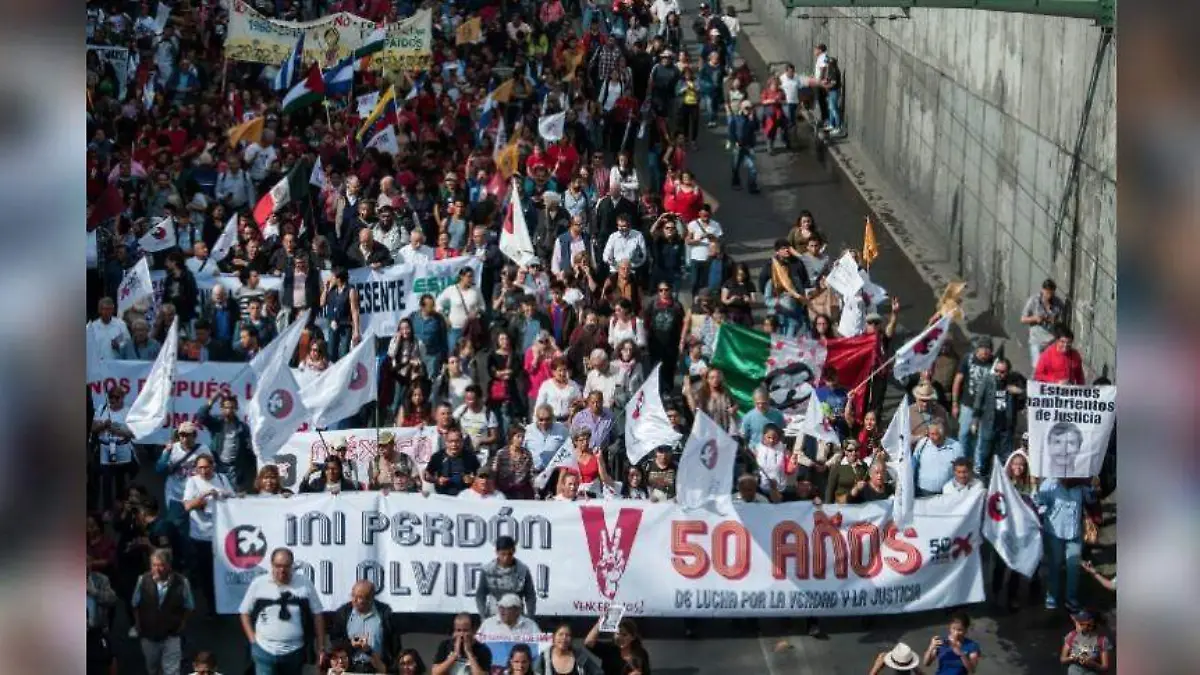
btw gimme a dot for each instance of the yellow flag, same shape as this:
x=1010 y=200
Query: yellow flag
x=780 y=278
x=469 y=32
x=503 y=93
x=572 y=61
x=951 y=300
x=251 y=132
x=379 y=111
x=507 y=160
x=870 y=248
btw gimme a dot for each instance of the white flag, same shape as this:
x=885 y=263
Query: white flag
x=153 y=403
x=385 y=141
x=564 y=457
x=919 y=353
x=550 y=127
x=646 y=423
x=160 y=237
x=276 y=409
x=1011 y=524
x=135 y=286
x=344 y=387
x=366 y=104
x=897 y=441
x=317 y=177
x=225 y=242
x=706 y=467
x=816 y=424
x=514 y=236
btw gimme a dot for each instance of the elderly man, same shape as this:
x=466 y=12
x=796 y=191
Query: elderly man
x=162 y=603
x=415 y=252
x=368 y=252
x=509 y=620
x=107 y=332
x=370 y=628
x=505 y=576
x=602 y=378
x=925 y=411
x=141 y=347
x=933 y=460
x=544 y=436
x=281 y=616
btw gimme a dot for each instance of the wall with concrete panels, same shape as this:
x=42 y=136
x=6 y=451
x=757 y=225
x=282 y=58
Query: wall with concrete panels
x=976 y=117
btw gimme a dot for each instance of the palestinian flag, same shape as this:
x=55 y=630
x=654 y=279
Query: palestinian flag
x=293 y=187
x=306 y=92
x=375 y=43
x=788 y=367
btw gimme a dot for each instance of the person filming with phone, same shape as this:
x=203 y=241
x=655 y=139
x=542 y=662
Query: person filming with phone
x=954 y=653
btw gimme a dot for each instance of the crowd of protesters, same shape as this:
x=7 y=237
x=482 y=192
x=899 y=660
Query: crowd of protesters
x=509 y=366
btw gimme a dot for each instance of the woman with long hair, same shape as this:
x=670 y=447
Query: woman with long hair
x=563 y=658
x=404 y=354
x=624 y=654
x=415 y=411
x=625 y=324
x=711 y=397
x=1017 y=469
x=823 y=328
x=738 y=294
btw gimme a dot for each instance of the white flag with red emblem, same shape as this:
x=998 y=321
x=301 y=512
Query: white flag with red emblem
x=276 y=409
x=160 y=237
x=706 y=467
x=1011 y=524
x=919 y=353
x=514 y=235
x=646 y=423
x=817 y=424
x=344 y=387
x=135 y=286
x=563 y=458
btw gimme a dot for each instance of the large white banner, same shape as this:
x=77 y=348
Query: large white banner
x=304 y=449
x=195 y=383
x=253 y=37
x=1069 y=428
x=793 y=559
x=385 y=296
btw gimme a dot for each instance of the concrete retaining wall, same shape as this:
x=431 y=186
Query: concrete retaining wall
x=975 y=116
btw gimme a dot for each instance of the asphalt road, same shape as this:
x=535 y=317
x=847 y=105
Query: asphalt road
x=1012 y=644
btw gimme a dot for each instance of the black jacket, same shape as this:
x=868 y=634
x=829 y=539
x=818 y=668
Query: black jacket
x=392 y=630
x=379 y=254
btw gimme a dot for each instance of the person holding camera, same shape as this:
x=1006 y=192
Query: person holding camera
x=1042 y=313
x=369 y=629
x=953 y=653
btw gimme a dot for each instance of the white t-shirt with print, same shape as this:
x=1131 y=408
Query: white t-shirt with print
x=201 y=520
x=273 y=634
x=177 y=479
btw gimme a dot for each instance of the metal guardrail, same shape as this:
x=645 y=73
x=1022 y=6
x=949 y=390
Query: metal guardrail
x=1103 y=12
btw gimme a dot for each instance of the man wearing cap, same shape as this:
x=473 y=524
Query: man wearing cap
x=743 y=135
x=177 y=462
x=392 y=469
x=974 y=387
x=664 y=77
x=505 y=576
x=509 y=621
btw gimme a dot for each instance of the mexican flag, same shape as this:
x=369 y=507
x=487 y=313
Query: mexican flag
x=293 y=187
x=306 y=92
x=787 y=367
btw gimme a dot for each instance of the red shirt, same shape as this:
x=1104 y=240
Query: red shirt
x=178 y=138
x=565 y=158
x=1059 y=367
x=687 y=203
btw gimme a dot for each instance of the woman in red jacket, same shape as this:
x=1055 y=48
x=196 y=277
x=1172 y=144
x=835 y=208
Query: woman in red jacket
x=1061 y=363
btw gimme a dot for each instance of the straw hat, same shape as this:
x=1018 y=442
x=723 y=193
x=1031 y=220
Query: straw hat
x=901 y=658
x=924 y=392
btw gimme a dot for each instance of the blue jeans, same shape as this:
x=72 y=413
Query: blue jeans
x=745 y=156
x=270 y=664
x=792 y=317
x=710 y=105
x=1058 y=553
x=835 y=115
x=453 y=335
x=433 y=365
x=965 y=417
x=985 y=443
x=789 y=111
x=337 y=341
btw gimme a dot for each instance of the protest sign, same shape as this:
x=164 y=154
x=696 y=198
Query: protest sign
x=255 y=38
x=752 y=560
x=1069 y=428
x=303 y=449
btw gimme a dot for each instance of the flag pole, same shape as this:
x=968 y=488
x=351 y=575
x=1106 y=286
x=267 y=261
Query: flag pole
x=224 y=74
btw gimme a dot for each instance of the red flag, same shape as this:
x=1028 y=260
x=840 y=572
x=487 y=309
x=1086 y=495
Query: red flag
x=110 y=204
x=854 y=359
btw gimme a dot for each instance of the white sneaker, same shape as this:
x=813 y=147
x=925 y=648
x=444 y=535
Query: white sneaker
x=133 y=632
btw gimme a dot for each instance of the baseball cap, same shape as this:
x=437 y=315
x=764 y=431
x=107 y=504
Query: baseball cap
x=386 y=438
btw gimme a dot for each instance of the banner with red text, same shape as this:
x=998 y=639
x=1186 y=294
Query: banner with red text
x=305 y=449
x=748 y=560
x=195 y=383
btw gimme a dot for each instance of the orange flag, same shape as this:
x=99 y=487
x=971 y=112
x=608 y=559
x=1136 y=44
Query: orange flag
x=251 y=132
x=870 y=248
x=503 y=93
x=507 y=160
x=951 y=300
x=469 y=32
x=573 y=59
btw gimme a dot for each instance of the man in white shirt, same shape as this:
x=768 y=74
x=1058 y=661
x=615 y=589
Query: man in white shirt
x=234 y=186
x=478 y=423
x=747 y=491
x=259 y=156
x=107 y=332
x=277 y=610
x=820 y=63
x=482 y=487
x=415 y=252
x=661 y=8
x=964 y=478
x=699 y=233
x=509 y=621
x=200 y=493
x=791 y=84
x=626 y=244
